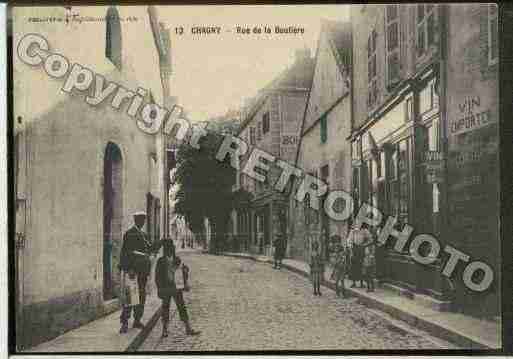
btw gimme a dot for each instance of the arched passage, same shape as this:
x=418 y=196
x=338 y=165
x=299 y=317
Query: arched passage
x=112 y=218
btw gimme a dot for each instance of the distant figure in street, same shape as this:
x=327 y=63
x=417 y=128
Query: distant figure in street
x=280 y=243
x=316 y=268
x=135 y=263
x=340 y=270
x=165 y=270
x=369 y=266
x=358 y=238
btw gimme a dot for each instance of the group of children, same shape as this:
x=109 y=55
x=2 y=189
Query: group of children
x=356 y=259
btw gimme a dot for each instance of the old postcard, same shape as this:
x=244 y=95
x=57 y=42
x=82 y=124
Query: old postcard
x=239 y=178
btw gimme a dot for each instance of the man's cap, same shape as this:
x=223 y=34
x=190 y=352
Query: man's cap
x=139 y=214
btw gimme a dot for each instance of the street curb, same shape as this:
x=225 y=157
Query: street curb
x=420 y=323
x=143 y=334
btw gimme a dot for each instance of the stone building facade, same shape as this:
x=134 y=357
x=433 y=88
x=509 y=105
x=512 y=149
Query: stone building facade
x=81 y=170
x=424 y=135
x=324 y=150
x=272 y=125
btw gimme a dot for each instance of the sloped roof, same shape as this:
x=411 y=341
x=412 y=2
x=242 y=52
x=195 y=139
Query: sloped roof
x=298 y=76
x=340 y=39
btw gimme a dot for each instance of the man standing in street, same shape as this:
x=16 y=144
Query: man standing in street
x=135 y=258
x=280 y=243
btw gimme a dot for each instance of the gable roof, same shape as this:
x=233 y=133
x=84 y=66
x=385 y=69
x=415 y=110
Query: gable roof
x=297 y=77
x=340 y=40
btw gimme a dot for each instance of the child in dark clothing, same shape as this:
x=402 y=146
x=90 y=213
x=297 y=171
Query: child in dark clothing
x=316 y=268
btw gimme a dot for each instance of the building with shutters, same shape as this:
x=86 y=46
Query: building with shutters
x=425 y=137
x=272 y=124
x=81 y=171
x=324 y=150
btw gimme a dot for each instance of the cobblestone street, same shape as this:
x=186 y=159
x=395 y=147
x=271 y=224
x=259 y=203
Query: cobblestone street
x=240 y=304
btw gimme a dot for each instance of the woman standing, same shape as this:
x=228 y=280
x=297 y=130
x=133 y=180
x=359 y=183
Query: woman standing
x=358 y=238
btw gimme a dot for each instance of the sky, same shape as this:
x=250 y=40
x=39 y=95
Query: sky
x=215 y=72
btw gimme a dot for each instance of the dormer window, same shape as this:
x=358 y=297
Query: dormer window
x=113 y=37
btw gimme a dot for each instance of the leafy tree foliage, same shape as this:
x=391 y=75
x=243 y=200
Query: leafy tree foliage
x=206 y=188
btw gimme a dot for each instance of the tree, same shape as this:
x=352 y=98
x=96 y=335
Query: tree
x=205 y=188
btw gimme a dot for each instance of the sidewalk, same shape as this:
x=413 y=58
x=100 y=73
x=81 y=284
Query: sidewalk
x=102 y=335
x=462 y=330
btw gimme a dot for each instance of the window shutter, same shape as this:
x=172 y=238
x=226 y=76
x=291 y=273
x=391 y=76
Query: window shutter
x=324 y=129
x=483 y=36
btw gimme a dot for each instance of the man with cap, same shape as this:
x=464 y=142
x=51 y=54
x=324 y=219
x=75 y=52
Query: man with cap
x=135 y=258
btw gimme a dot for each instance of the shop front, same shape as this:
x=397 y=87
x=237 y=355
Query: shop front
x=398 y=167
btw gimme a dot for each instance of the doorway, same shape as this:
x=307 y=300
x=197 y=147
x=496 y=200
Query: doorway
x=112 y=218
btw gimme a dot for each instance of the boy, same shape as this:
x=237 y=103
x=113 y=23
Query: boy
x=166 y=287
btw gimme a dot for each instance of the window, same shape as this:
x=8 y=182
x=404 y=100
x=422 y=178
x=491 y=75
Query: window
x=324 y=129
x=113 y=37
x=265 y=123
x=252 y=139
x=432 y=133
x=403 y=181
x=428 y=97
x=371 y=69
x=356 y=150
x=259 y=131
x=425 y=28
x=409 y=109
x=325 y=173
x=493 y=28
x=382 y=164
x=356 y=187
x=392 y=40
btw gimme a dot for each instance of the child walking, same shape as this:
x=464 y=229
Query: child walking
x=316 y=268
x=167 y=290
x=339 y=271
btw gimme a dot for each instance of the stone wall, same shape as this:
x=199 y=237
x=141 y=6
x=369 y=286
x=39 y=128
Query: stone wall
x=473 y=146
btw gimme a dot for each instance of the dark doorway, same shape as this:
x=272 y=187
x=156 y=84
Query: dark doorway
x=112 y=218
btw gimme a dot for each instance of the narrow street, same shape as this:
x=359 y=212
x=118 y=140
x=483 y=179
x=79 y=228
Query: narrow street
x=240 y=304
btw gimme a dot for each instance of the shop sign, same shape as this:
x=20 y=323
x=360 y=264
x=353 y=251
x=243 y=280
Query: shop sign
x=434 y=162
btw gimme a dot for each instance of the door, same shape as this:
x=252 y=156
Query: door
x=112 y=218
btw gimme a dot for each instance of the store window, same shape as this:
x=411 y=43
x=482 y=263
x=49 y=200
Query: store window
x=403 y=178
x=432 y=133
x=392 y=43
x=356 y=187
x=425 y=27
x=374 y=166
